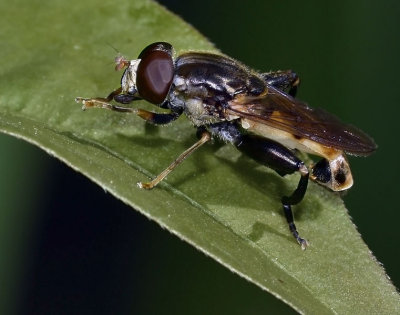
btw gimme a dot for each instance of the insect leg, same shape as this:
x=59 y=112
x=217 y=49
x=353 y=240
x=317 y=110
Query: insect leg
x=275 y=156
x=283 y=161
x=109 y=98
x=155 y=118
x=286 y=81
x=294 y=199
x=159 y=118
x=204 y=137
x=114 y=95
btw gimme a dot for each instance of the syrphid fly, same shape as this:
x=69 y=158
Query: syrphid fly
x=256 y=112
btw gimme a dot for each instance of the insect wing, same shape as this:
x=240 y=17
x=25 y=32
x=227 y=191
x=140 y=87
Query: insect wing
x=279 y=110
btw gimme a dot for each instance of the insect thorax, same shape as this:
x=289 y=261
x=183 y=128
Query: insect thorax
x=199 y=103
x=205 y=83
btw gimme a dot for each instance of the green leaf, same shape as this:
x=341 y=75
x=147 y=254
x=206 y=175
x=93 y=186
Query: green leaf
x=219 y=201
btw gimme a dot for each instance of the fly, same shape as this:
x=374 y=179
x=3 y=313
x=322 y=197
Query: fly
x=256 y=112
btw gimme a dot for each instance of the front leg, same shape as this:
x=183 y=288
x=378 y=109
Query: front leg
x=115 y=95
x=155 y=118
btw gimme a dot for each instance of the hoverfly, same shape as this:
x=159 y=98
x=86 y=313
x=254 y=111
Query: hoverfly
x=256 y=112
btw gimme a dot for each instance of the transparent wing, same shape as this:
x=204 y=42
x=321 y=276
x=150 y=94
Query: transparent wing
x=279 y=110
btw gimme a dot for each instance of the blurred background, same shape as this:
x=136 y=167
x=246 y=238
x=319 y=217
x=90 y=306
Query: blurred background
x=68 y=247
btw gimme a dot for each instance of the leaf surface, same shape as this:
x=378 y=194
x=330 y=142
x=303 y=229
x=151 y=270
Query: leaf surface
x=219 y=201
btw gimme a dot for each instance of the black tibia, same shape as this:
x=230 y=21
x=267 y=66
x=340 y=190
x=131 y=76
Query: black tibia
x=273 y=155
x=286 y=81
x=109 y=98
x=161 y=118
x=114 y=93
x=125 y=98
x=294 y=199
x=118 y=97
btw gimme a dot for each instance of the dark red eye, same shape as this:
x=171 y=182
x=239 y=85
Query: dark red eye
x=155 y=72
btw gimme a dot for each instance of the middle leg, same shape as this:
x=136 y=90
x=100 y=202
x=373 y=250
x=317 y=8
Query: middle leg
x=204 y=137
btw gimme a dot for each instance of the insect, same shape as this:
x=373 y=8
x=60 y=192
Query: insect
x=256 y=112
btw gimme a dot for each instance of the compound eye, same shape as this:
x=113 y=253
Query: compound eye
x=155 y=72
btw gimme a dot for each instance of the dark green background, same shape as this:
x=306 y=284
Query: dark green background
x=72 y=248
